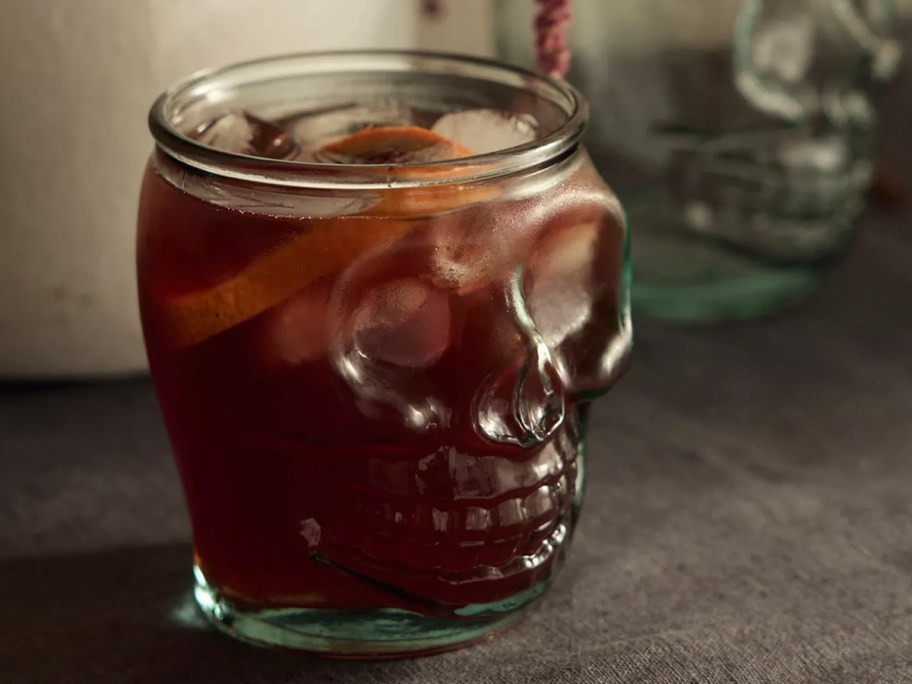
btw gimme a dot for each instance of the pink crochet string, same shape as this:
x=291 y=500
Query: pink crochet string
x=552 y=54
x=431 y=8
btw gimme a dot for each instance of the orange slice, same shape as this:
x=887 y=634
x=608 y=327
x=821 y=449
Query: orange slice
x=392 y=145
x=193 y=317
x=397 y=145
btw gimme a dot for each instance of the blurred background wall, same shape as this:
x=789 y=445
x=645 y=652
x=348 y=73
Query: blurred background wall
x=78 y=78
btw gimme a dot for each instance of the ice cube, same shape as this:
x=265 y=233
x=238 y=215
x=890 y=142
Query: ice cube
x=230 y=132
x=313 y=130
x=404 y=322
x=297 y=329
x=487 y=130
x=482 y=243
x=561 y=288
x=242 y=133
x=388 y=327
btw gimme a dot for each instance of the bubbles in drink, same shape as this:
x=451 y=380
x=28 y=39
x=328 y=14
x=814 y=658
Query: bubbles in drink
x=486 y=130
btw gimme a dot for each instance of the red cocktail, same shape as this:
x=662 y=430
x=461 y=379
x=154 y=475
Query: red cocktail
x=378 y=291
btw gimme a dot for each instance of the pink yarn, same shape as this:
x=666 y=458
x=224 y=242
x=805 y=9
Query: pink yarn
x=431 y=8
x=552 y=54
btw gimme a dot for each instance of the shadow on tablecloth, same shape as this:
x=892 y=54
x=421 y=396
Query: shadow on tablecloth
x=80 y=618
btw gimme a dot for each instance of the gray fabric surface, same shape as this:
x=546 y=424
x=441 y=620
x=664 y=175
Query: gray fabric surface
x=749 y=519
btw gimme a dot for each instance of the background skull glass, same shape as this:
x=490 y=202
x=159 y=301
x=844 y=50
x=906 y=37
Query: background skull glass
x=738 y=133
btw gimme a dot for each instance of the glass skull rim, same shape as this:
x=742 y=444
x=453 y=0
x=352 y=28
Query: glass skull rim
x=219 y=84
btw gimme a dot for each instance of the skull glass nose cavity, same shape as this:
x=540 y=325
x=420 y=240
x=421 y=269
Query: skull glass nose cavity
x=524 y=403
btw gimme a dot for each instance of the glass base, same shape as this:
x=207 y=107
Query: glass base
x=678 y=276
x=377 y=633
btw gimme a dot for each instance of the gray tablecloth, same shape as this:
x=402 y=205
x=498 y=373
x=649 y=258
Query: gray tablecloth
x=749 y=519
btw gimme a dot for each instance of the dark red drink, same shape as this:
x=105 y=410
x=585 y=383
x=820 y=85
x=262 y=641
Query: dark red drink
x=375 y=394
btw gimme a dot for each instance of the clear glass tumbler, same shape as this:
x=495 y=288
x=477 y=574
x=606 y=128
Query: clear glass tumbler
x=738 y=133
x=378 y=291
